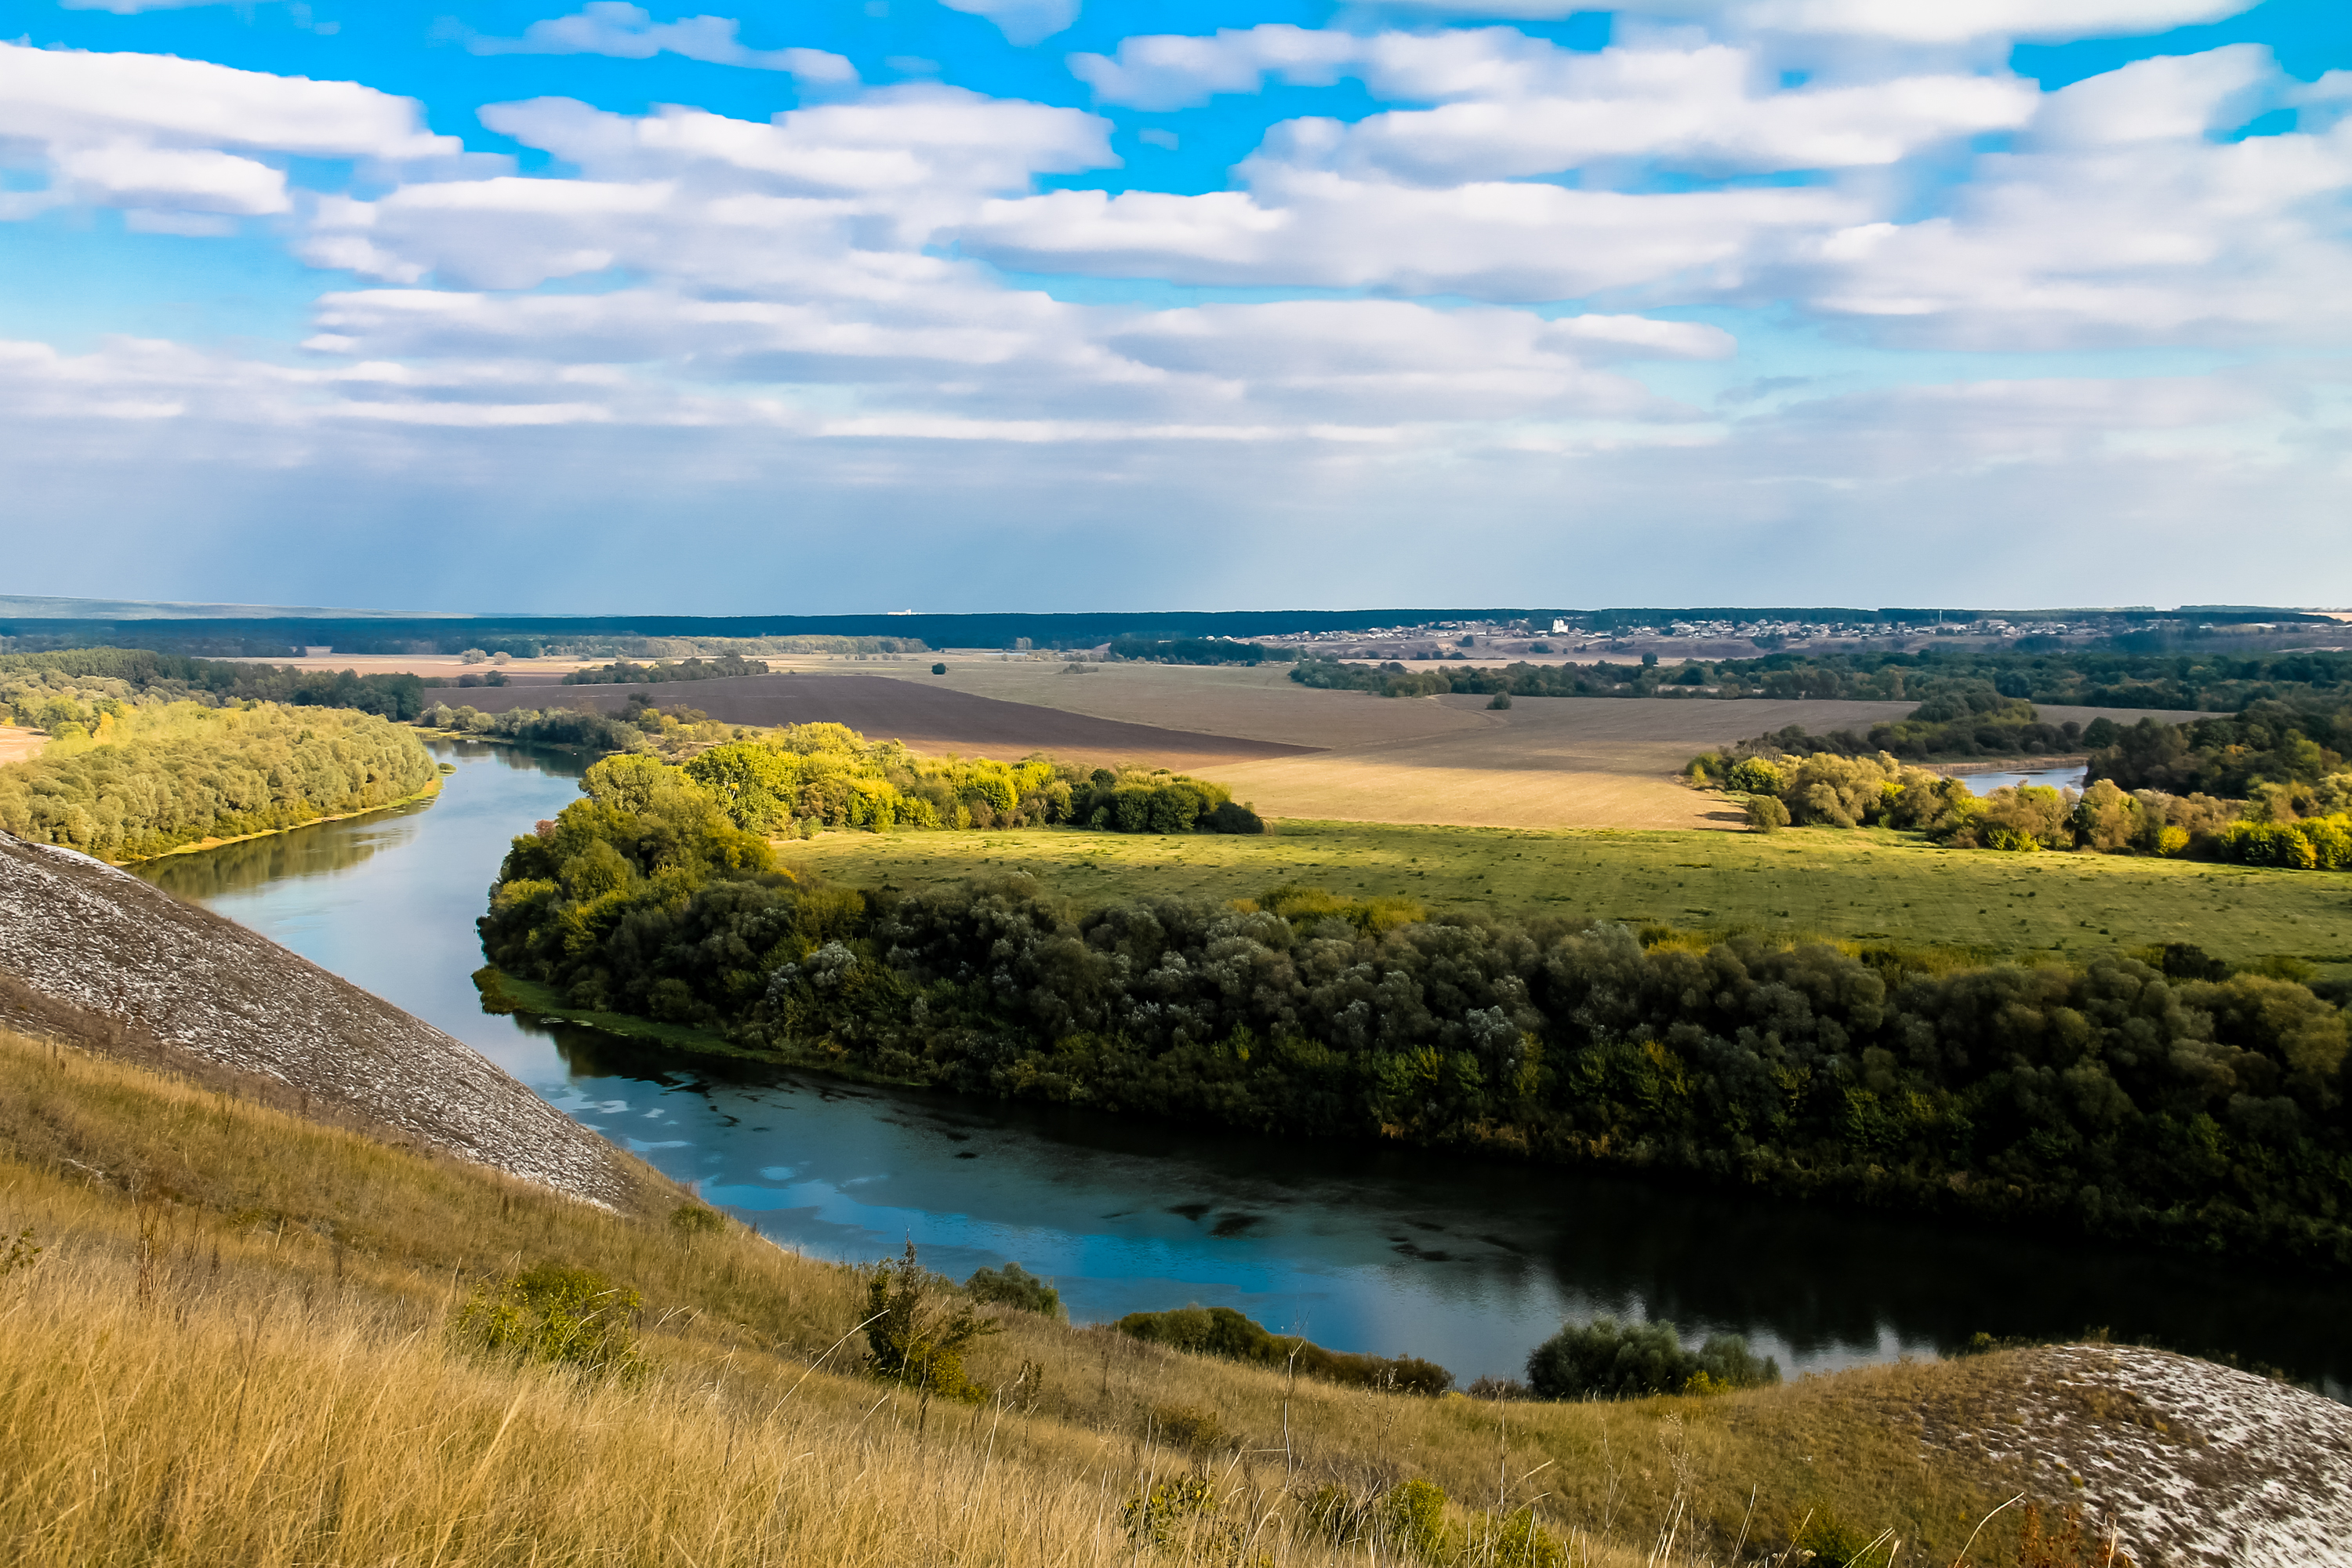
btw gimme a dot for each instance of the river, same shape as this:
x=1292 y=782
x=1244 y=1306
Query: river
x=1362 y=1248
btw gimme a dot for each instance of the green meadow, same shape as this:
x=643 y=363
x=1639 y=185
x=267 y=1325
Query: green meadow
x=1860 y=885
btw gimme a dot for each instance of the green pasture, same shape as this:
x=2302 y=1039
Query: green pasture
x=1864 y=884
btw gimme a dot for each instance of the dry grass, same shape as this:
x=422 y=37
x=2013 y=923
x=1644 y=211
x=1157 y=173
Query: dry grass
x=233 y=1351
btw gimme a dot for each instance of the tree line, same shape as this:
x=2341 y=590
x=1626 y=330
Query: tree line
x=43 y=690
x=2282 y=794
x=2162 y=1101
x=139 y=781
x=621 y=672
x=1198 y=650
x=2086 y=677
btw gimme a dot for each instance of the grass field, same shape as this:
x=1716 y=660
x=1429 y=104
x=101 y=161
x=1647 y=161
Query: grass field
x=1821 y=881
x=231 y=1348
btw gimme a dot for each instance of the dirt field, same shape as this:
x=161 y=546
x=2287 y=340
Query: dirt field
x=16 y=746
x=928 y=719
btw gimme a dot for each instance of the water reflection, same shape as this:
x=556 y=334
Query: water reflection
x=1368 y=1247
x=2055 y=778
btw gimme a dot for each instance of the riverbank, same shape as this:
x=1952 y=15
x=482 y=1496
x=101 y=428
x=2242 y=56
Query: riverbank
x=289 y=1271
x=419 y=798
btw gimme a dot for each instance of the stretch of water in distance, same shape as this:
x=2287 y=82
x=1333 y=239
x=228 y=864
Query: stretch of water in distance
x=1362 y=1246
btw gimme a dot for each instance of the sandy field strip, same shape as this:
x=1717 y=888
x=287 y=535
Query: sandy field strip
x=928 y=719
x=16 y=744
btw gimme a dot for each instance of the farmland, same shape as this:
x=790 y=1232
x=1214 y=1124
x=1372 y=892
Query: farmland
x=1863 y=885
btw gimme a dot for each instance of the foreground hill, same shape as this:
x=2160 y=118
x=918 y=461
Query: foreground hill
x=94 y=955
x=235 y=1344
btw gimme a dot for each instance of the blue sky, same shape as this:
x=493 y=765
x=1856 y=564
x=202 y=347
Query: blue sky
x=1044 y=304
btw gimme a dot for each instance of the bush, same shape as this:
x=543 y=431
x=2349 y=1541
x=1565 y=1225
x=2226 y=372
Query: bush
x=556 y=1316
x=697 y=1219
x=1013 y=1286
x=1221 y=1331
x=913 y=1338
x=939 y=669
x=1754 y=775
x=1766 y=814
x=1500 y=700
x=1190 y=1427
x=1413 y=1516
x=1606 y=1359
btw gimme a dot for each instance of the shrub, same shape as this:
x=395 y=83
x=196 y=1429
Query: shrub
x=1221 y=1331
x=1150 y=1517
x=1754 y=775
x=1187 y=1426
x=1609 y=1360
x=1500 y=700
x=557 y=1316
x=1413 y=1516
x=912 y=1338
x=697 y=1219
x=939 y=669
x=1013 y=1286
x=1516 y=1540
x=2279 y=844
x=1766 y=814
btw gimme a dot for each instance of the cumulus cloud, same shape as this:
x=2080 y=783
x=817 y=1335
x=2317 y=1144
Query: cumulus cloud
x=148 y=131
x=629 y=32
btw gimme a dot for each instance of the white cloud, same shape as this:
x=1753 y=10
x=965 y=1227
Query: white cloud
x=1022 y=22
x=1954 y=21
x=73 y=98
x=629 y=32
x=149 y=132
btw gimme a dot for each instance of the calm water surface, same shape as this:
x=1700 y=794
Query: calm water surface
x=2055 y=778
x=1365 y=1249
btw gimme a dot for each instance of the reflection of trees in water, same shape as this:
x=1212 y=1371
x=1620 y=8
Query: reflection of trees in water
x=1819 y=1278
x=312 y=851
x=522 y=759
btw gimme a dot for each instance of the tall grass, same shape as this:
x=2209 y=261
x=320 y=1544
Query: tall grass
x=234 y=1347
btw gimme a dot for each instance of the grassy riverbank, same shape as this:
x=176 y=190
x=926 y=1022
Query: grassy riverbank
x=231 y=1348
x=1868 y=885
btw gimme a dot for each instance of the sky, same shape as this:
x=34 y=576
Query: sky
x=956 y=305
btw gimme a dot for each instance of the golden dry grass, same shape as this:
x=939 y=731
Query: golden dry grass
x=233 y=1351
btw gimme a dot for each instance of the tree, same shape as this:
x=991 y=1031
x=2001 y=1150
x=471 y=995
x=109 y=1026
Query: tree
x=916 y=1339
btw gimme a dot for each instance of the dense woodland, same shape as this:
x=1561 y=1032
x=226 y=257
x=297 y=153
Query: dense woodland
x=1198 y=650
x=2076 y=678
x=2206 y=1112
x=139 y=781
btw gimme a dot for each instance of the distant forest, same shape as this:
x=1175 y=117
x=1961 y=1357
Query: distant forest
x=38 y=690
x=1199 y=650
x=2077 y=678
x=621 y=672
x=2162 y=1098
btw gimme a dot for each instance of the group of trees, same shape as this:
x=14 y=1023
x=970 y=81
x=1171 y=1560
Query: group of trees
x=2079 y=677
x=2206 y=1113
x=1960 y=720
x=1608 y=1360
x=621 y=672
x=1221 y=1331
x=139 y=781
x=2283 y=797
x=1198 y=650
x=44 y=690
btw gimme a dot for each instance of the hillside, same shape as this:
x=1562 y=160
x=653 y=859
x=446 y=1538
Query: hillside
x=95 y=955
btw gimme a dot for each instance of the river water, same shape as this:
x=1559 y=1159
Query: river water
x=1362 y=1248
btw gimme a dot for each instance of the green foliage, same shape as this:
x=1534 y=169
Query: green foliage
x=1221 y=1331
x=691 y=1220
x=1755 y=775
x=556 y=1316
x=1198 y=650
x=1500 y=700
x=621 y=672
x=915 y=1336
x=1832 y=1543
x=1013 y=1286
x=563 y=728
x=2103 y=1094
x=939 y=669
x=1413 y=1517
x=1609 y=1360
x=146 y=779
x=2274 y=742
x=1192 y=1428
x=1767 y=813
x=1152 y=1516
x=41 y=690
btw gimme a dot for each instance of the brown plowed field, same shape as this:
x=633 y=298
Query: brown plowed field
x=927 y=718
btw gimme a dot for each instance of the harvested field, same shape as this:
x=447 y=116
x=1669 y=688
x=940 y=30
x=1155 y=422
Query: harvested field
x=928 y=719
x=16 y=744
x=1863 y=885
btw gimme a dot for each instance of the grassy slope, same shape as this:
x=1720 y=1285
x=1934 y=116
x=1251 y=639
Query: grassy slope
x=1862 y=884
x=231 y=1352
